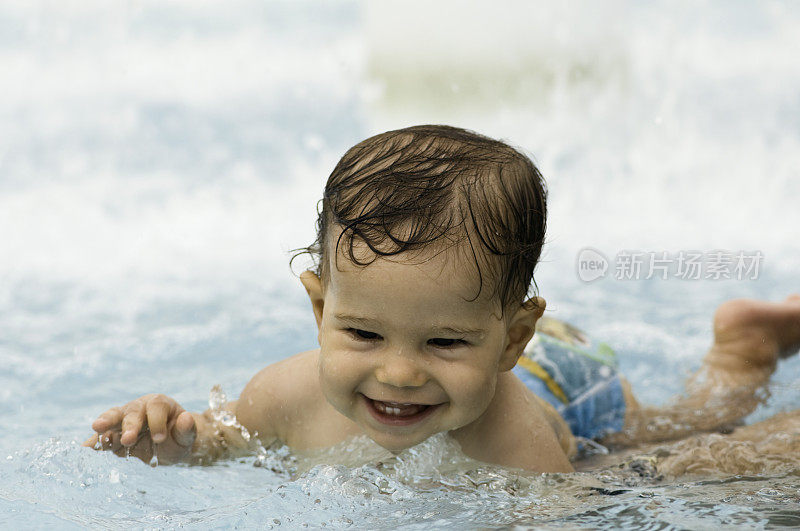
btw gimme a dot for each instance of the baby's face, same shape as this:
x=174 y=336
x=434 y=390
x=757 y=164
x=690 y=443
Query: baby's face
x=405 y=352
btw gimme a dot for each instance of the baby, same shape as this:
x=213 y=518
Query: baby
x=426 y=245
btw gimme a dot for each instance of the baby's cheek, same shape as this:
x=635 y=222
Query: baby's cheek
x=339 y=376
x=474 y=389
x=332 y=371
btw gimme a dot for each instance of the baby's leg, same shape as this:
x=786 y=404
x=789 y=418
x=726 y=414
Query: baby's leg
x=749 y=337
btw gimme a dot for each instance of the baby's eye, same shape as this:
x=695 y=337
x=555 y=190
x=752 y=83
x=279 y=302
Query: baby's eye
x=443 y=342
x=363 y=334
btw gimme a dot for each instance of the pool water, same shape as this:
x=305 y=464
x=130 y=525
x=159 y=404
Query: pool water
x=160 y=162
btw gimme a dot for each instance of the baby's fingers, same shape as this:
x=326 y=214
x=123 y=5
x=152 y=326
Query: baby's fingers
x=107 y=420
x=132 y=425
x=184 y=431
x=158 y=410
x=91 y=442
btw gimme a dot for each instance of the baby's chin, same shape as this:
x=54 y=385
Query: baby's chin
x=396 y=446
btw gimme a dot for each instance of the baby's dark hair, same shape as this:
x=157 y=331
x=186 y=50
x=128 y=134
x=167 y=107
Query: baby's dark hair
x=433 y=184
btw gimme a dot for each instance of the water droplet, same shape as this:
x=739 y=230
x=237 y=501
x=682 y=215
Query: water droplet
x=154 y=460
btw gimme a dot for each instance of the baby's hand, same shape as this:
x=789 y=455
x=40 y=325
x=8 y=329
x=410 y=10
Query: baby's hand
x=151 y=423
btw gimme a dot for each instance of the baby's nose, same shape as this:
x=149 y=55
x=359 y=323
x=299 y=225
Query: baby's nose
x=399 y=370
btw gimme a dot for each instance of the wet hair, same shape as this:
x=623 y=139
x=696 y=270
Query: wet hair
x=412 y=188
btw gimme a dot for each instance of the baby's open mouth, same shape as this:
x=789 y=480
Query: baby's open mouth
x=398 y=414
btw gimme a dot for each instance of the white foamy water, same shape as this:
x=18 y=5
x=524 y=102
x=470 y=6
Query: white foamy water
x=158 y=162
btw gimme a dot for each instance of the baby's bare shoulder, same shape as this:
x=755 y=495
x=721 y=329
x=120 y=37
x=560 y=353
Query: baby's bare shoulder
x=564 y=435
x=277 y=392
x=517 y=430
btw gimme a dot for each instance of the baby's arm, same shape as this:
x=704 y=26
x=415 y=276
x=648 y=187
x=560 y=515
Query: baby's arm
x=156 y=423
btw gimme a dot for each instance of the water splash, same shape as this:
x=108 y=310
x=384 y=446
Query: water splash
x=217 y=402
x=277 y=458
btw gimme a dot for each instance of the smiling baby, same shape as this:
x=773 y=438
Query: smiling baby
x=427 y=240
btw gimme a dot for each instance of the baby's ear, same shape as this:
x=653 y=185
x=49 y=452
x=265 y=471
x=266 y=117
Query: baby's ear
x=521 y=327
x=313 y=286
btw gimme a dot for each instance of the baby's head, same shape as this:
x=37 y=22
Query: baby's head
x=426 y=245
x=436 y=187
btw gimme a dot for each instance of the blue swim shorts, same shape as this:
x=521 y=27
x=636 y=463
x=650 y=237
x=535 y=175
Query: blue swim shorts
x=577 y=376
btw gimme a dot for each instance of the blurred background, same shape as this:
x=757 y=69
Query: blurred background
x=160 y=160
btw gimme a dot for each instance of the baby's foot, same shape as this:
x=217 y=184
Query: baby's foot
x=754 y=334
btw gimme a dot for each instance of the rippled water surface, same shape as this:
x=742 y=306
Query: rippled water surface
x=159 y=162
